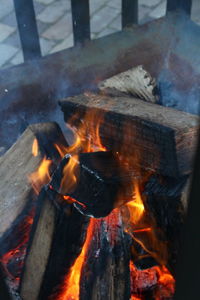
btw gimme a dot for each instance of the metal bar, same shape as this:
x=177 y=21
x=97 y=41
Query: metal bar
x=81 y=20
x=184 y=5
x=27 y=26
x=188 y=272
x=129 y=12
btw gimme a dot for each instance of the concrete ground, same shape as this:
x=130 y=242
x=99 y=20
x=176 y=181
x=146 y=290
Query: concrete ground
x=55 y=24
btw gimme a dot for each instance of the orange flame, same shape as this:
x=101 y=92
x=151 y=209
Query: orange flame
x=35 y=147
x=71 y=286
x=136 y=206
x=41 y=176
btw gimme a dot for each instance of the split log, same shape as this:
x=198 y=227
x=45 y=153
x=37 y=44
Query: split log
x=17 y=163
x=105 y=274
x=166 y=201
x=135 y=82
x=38 y=250
x=102 y=184
x=155 y=137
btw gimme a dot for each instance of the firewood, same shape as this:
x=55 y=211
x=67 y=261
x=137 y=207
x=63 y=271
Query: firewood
x=17 y=163
x=135 y=82
x=38 y=250
x=157 y=138
x=102 y=184
x=105 y=273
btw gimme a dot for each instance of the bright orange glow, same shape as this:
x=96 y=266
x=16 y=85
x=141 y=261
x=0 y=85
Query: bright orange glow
x=143 y=230
x=158 y=277
x=70 y=175
x=136 y=206
x=41 y=176
x=35 y=148
x=19 y=252
x=71 y=285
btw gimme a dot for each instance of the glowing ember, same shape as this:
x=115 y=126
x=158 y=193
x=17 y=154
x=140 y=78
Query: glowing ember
x=35 y=148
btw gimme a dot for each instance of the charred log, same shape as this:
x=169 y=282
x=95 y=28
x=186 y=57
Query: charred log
x=101 y=186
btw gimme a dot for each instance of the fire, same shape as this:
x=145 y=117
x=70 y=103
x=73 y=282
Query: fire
x=41 y=176
x=35 y=148
x=136 y=206
x=71 y=287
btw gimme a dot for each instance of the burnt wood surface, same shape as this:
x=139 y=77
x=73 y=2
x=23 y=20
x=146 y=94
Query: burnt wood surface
x=162 y=139
x=102 y=184
x=105 y=273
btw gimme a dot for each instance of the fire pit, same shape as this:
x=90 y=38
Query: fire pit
x=101 y=218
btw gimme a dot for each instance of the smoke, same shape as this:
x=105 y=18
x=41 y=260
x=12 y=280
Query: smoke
x=179 y=79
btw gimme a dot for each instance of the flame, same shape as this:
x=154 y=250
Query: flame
x=70 y=175
x=136 y=206
x=71 y=287
x=17 y=255
x=35 y=147
x=41 y=176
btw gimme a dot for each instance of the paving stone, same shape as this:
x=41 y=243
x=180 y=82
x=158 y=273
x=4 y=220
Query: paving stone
x=46 y=45
x=115 y=3
x=195 y=13
x=158 y=11
x=116 y=24
x=6 y=7
x=144 y=14
x=10 y=19
x=39 y=7
x=6 y=53
x=95 y=5
x=105 y=32
x=52 y=12
x=104 y=17
x=46 y=2
x=149 y=3
x=5 y=31
x=66 y=43
x=17 y=59
x=41 y=27
x=60 y=30
x=13 y=40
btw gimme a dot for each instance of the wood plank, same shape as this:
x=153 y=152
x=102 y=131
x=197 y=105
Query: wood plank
x=25 y=15
x=164 y=138
x=81 y=20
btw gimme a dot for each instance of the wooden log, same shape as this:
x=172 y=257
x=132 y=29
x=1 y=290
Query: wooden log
x=105 y=272
x=157 y=138
x=135 y=82
x=101 y=185
x=18 y=162
x=38 y=250
x=167 y=201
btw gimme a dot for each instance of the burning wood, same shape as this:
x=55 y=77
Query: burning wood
x=156 y=138
x=107 y=172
